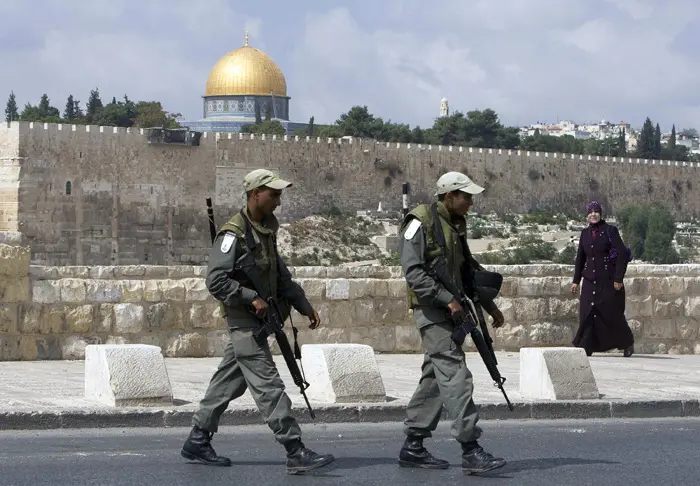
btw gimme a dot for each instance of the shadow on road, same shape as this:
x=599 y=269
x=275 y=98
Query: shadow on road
x=544 y=463
x=634 y=356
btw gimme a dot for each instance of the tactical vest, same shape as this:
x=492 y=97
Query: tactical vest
x=263 y=248
x=453 y=245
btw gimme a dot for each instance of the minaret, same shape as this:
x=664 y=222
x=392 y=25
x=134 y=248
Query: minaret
x=444 y=108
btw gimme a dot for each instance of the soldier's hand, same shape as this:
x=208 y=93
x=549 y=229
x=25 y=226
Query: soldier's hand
x=574 y=289
x=498 y=319
x=315 y=320
x=260 y=307
x=455 y=307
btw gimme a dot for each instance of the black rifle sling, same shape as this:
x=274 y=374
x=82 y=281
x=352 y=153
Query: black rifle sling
x=251 y=244
x=437 y=229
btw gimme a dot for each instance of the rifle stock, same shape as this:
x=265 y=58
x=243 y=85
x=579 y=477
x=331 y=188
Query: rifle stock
x=273 y=324
x=466 y=323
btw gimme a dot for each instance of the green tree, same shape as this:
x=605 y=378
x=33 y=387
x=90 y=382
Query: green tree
x=658 y=246
x=646 y=144
x=11 y=112
x=72 y=113
x=657 y=142
x=649 y=231
x=267 y=127
x=672 y=143
x=310 y=127
x=151 y=114
x=622 y=144
x=93 y=106
x=268 y=111
x=258 y=117
x=117 y=114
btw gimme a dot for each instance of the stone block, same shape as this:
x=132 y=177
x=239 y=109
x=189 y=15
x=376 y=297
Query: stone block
x=128 y=318
x=132 y=290
x=195 y=290
x=556 y=374
x=539 y=287
x=73 y=290
x=40 y=272
x=172 y=290
x=126 y=375
x=8 y=318
x=342 y=373
x=46 y=292
x=15 y=260
x=191 y=345
x=551 y=333
x=103 y=291
x=152 y=291
x=338 y=289
x=79 y=319
x=408 y=339
x=397 y=288
x=14 y=289
x=670 y=309
x=102 y=272
x=74 y=272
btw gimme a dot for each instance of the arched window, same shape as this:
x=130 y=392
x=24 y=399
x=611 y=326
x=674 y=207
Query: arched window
x=68 y=188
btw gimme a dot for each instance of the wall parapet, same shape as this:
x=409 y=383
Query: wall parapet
x=216 y=137
x=51 y=313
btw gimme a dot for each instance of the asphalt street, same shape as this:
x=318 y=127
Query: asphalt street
x=561 y=452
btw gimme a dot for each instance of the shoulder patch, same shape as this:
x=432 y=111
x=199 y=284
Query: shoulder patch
x=411 y=229
x=228 y=241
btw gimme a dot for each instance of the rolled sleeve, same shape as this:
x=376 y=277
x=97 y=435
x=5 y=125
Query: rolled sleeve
x=219 y=270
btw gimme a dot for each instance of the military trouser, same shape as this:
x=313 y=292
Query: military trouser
x=445 y=380
x=248 y=364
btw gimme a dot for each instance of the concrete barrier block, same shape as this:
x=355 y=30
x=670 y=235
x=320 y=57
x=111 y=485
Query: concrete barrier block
x=126 y=375
x=342 y=373
x=558 y=373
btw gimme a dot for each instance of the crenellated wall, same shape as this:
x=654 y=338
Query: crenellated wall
x=50 y=313
x=131 y=202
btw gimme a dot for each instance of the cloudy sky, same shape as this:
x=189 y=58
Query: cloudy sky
x=530 y=60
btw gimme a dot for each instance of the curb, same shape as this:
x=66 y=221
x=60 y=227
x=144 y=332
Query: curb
x=372 y=413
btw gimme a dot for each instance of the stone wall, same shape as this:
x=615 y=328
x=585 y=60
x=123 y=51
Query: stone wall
x=89 y=195
x=54 y=312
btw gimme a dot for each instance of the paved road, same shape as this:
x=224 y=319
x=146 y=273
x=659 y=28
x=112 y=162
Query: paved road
x=611 y=452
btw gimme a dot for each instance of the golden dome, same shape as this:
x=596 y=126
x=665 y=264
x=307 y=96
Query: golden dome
x=246 y=71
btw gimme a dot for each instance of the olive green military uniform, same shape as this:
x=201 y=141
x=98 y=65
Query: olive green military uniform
x=445 y=377
x=247 y=362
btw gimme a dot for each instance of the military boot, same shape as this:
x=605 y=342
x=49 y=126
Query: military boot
x=413 y=454
x=198 y=448
x=476 y=460
x=301 y=460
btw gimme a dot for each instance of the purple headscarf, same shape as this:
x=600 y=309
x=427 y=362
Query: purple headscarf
x=594 y=207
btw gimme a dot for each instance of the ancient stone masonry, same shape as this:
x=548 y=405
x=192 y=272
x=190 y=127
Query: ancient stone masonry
x=90 y=195
x=54 y=312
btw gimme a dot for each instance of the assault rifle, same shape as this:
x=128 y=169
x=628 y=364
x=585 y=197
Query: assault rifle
x=273 y=322
x=466 y=322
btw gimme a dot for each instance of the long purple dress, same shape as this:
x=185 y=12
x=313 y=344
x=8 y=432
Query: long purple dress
x=602 y=322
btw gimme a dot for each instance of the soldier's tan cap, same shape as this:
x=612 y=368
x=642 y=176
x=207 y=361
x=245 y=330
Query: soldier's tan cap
x=456 y=181
x=263 y=177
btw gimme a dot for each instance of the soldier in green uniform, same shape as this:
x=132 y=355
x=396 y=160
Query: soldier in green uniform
x=445 y=377
x=247 y=362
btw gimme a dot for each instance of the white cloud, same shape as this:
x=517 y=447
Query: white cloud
x=614 y=59
x=535 y=60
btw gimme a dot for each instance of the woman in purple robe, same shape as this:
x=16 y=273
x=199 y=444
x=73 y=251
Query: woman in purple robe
x=601 y=261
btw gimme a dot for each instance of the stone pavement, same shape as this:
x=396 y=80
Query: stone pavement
x=49 y=394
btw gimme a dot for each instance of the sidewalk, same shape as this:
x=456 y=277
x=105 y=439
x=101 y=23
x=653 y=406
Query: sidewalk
x=49 y=394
